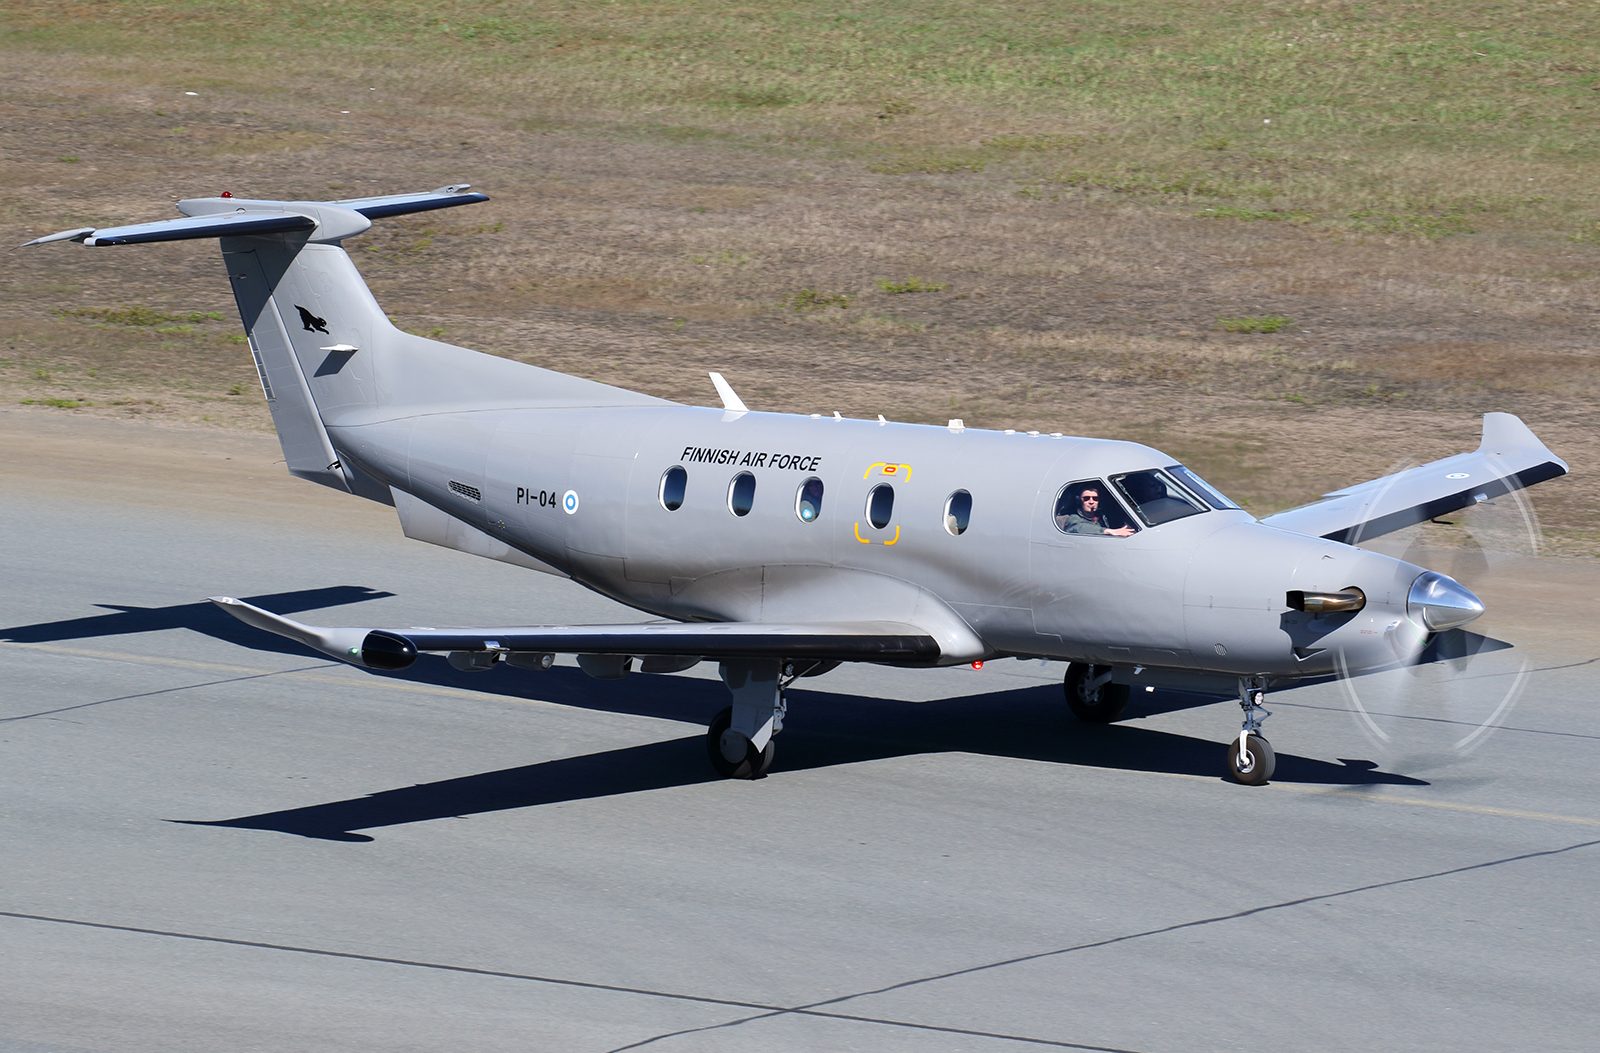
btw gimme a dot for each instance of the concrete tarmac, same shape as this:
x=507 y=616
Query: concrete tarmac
x=213 y=840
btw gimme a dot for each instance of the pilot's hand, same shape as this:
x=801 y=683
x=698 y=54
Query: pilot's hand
x=1120 y=531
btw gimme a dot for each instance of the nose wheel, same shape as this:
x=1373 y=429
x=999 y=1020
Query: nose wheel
x=1251 y=760
x=1250 y=757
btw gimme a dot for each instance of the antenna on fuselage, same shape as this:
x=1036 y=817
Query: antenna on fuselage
x=730 y=398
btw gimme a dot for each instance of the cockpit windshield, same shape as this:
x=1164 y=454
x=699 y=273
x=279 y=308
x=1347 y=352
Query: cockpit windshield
x=1198 y=486
x=1156 y=497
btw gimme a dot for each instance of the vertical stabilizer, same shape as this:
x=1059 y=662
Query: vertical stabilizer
x=326 y=354
x=270 y=275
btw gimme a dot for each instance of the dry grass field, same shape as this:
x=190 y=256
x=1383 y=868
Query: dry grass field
x=1291 y=244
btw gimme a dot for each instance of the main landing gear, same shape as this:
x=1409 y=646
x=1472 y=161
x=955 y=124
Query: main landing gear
x=1250 y=756
x=1091 y=695
x=739 y=741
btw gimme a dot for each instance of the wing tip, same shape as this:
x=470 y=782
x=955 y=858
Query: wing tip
x=75 y=234
x=1506 y=433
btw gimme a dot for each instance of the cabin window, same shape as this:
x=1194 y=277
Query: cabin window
x=808 y=500
x=957 y=513
x=674 y=482
x=1089 y=507
x=742 y=494
x=880 y=505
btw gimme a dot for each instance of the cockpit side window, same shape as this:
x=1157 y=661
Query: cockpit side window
x=1089 y=507
x=1157 y=497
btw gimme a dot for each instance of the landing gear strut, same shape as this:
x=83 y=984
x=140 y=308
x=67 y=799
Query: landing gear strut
x=739 y=741
x=1250 y=757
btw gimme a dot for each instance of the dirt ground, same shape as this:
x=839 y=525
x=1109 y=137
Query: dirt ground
x=645 y=259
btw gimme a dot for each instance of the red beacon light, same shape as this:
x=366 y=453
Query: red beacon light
x=978 y=664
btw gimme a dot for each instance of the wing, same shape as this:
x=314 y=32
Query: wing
x=1510 y=457
x=389 y=649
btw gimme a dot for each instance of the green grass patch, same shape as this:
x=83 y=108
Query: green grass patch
x=58 y=403
x=814 y=300
x=1256 y=323
x=1270 y=215
x=1427 y=225
x=909 y=285
x=162 y=321
x=930 y=161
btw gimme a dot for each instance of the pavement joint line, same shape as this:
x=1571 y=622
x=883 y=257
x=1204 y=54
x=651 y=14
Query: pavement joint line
x=176 y=689
x=311 y=674
x=156 y=660
x=1249 y=912
x=305 y=672
x=765 y=1010
x=1448 y=806
x=943 y=1029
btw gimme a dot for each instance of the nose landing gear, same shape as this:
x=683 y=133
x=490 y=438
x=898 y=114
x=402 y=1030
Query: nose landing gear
x=1250 y=757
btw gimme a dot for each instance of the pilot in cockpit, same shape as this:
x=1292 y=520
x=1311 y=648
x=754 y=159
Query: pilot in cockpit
x=1084 y=515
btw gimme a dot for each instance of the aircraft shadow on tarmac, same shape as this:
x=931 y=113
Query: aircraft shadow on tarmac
x=821 y=730
x=202 y=616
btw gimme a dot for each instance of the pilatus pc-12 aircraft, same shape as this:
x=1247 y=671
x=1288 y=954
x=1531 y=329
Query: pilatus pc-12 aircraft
x=781 y=545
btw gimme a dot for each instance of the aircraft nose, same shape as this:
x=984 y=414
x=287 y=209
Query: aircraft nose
x=1440 y=602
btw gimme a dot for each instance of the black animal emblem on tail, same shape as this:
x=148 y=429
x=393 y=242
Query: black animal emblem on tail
x=312 y=323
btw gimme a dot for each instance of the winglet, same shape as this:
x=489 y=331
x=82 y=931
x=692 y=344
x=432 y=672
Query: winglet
x=1506 y=434
x=730 y=398
x=343 y=644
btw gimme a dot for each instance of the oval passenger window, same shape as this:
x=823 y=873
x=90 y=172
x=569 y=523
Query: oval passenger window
x=674 y=481
x=880 y=505
x=742 y=494
x=808 y=500
x=957 y=512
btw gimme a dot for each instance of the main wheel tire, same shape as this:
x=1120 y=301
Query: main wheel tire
x=754 y=763
x=1256 y=765
x=1094 y=705
x=760 y=764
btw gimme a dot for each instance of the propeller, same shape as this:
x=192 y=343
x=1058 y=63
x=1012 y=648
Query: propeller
x=1453 y=685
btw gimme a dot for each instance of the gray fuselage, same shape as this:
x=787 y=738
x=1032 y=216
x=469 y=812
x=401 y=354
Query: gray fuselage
x=581 y=490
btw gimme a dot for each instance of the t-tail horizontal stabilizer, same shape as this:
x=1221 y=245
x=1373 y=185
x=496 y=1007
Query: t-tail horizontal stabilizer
x=217 y=217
